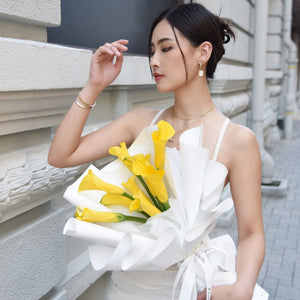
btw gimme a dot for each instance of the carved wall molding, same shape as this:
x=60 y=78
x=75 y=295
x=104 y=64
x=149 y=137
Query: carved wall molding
x=28 y=110
x=27 y=180
x=230 y=78
x=232 y=105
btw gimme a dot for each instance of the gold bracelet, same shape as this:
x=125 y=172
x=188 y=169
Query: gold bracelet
x=83 y=104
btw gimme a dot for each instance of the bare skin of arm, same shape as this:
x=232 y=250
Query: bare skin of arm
x=241 y=154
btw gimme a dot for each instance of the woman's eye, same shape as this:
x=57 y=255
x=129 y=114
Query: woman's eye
x=166 y=49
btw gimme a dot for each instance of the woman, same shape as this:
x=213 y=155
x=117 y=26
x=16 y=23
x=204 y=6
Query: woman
x=185 y=45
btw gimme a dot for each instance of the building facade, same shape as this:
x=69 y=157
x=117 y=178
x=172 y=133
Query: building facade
x=255 y=85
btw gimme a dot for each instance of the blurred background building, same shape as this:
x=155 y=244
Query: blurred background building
x=45 y=50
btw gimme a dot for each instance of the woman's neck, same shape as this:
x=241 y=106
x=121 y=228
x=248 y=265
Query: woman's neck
x=192 y=100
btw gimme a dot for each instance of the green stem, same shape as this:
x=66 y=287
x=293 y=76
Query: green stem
x=141 y=179
x=135 y=219
x=128 y=196
x=145 y=214
x=164 y=205
x=159 y=204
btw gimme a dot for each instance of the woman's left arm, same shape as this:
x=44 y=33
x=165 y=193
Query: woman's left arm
x=245 y=183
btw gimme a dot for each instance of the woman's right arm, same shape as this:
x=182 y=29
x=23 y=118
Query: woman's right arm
x=68 y=148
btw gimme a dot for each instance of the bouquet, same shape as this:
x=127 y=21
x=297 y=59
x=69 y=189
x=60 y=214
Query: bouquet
x=154 y=207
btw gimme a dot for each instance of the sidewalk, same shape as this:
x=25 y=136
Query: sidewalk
x=280 y=274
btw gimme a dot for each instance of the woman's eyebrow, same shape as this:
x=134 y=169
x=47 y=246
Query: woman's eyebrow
x=162 y=40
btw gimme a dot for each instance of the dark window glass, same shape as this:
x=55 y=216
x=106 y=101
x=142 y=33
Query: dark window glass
x=90 y=23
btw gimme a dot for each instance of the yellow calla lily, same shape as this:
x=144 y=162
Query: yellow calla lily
x=92 y=182
x=153 y=177
x=150 y=177
x=160 y=138
x=124 y=200
x=145 y=206
x=116 y=199
x=135 y=205
x=141 y=202
x=89 y=215
x=128 y=161
x=133 y=188
x=122 y=153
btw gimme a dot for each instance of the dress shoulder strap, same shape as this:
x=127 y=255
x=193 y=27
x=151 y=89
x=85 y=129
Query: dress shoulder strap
x=220 y=139
x=157 y=116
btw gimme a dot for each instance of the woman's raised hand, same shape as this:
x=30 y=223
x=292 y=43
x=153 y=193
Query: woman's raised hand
x=104 y=69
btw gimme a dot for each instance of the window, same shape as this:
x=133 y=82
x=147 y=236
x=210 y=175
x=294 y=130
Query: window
x=90 y=23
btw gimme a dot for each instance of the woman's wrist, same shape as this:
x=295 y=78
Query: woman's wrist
x=90 y=93
x=79 y=101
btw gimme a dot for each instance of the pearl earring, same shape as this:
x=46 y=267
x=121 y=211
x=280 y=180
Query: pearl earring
x=201 y=73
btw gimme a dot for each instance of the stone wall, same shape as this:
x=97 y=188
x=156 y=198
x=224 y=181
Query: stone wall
x=274 y=72
x=230 y=88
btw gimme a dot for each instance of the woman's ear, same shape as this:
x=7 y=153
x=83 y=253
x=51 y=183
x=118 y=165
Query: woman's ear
x=204 y=52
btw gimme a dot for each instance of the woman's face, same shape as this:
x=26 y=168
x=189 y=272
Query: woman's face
x=166 y=59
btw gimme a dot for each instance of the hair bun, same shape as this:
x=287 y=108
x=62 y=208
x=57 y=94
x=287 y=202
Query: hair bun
x=226 y=38
x=226 y=31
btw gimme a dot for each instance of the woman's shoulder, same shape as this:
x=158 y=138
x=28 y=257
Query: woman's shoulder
x=145 y=110
x=241 y=143
x=143 y=114
x=140 y=117
x=236 y=136
x=241 y=136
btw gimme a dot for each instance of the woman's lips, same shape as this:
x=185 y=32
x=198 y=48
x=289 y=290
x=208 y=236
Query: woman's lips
x=158 y=76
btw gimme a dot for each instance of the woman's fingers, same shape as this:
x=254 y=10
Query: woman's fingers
x=118 y=47
x=114 y=48
x=119 y=62
x=122 y=42
x=104 y=50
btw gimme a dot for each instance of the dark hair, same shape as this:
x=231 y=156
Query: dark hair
x=198 y=25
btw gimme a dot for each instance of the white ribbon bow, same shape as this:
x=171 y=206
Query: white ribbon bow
x=189 y=271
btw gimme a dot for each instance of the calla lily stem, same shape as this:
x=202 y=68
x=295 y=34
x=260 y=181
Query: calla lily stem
x=154 y=200
x=135 y=219
x=165 y=205
x=128 y=196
